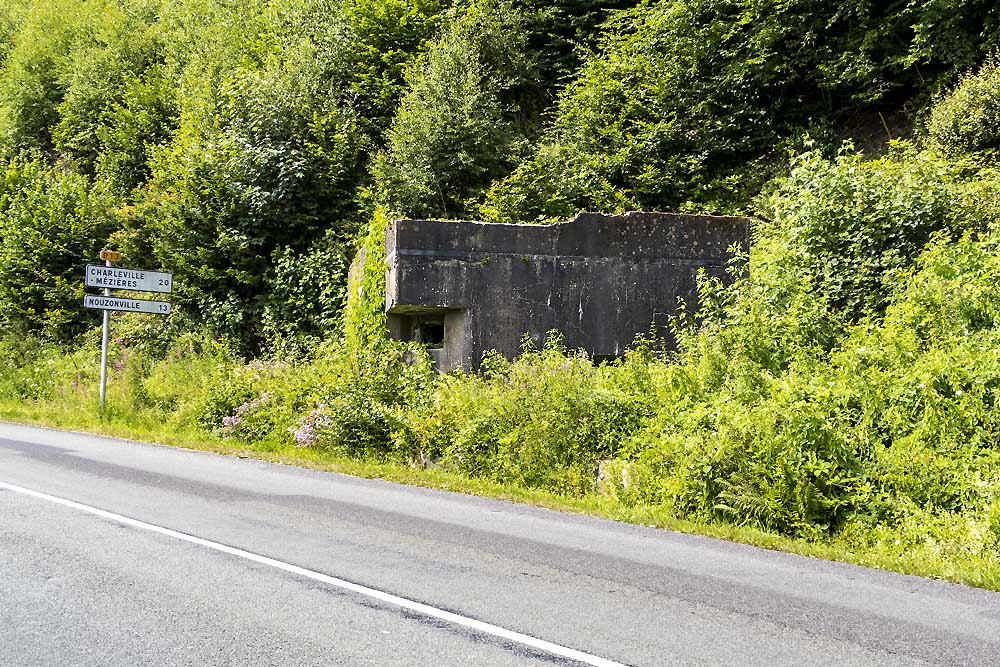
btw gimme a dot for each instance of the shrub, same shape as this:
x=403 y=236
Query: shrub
x=37 y=370
x=457 y=127
x=854 y=222
x=358 y=396
x=182 y=373
x=52 y=223
x=117 y=99
x=689 y=103
x=280 y=107
x=305 y=294
x=758 y=425
x=967 y=119
x=26 y=369
x=32 y=82
x=250 y=401
x=544 y=420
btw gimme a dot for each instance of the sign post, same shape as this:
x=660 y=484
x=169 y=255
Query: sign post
x=104 y=345
x=109 y=277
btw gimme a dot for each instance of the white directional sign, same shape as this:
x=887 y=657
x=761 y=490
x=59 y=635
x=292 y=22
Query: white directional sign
x=125 y=305
x=113 y=277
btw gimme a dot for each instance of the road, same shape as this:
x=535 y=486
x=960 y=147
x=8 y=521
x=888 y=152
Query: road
x=118 y=553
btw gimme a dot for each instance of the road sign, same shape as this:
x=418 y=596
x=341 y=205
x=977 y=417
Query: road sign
x=125 y=305
x=110 y=277
x=113 y=277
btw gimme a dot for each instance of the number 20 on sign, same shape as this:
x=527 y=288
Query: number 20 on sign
x=109 y=277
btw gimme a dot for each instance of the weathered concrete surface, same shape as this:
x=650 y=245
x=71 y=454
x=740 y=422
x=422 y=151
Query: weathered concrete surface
x=598 y=279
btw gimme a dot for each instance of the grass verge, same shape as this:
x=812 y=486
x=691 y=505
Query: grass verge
x=971 y=572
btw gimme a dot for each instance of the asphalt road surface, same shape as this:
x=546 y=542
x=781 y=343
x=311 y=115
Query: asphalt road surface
x=115 y=553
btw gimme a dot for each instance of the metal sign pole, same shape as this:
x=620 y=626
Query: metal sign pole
x=104 y=348
x=109 y=278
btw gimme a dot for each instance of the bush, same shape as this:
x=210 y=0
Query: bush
x=181 y=372
x=782 y=460
x=457 y=127
x=116 y=98
x=279 y=110
x=690 y=103
x=358 y=398
x=306 y=292
x=967 y=119
x=249 y=401
x=853 y=222
x=32 y=78
x=542 y=421
x=896 y=419
x=26 y=369
x=233 y=138
x=52 y=223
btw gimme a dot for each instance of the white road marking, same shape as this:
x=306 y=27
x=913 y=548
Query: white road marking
x=419 y=607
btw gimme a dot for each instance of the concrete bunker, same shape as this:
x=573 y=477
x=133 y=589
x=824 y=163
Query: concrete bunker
x=462 y=288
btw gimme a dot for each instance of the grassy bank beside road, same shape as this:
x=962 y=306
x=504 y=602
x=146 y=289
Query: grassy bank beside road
x=951 y=546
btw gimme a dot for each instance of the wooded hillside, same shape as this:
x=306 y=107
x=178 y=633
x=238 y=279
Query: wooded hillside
x=244 y=145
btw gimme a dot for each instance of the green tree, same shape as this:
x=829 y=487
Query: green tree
x=51 y=224
x=33 y=76
x=691 y=103
x=279 y=110
x=458 y=127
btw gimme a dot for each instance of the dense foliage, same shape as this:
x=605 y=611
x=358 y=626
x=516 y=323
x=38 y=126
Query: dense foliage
x=457 y=128
x=242 y=146
x=51 y=223
x=232 y=139
x=689 y=103
x=968 y=118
